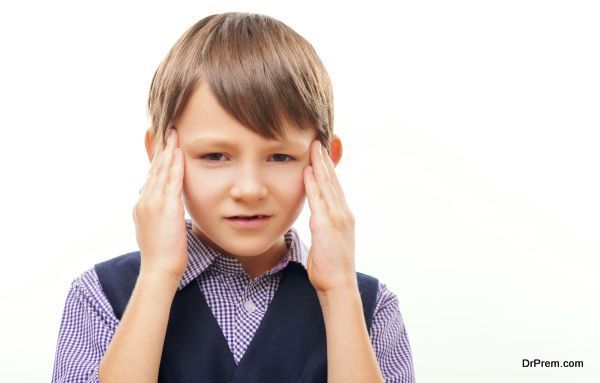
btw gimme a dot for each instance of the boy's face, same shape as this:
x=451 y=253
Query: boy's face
x=248 y=175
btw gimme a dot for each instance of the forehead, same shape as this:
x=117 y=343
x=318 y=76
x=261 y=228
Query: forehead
x=204 y=120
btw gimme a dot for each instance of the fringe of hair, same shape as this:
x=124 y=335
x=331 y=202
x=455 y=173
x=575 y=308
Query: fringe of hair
x=259 y=69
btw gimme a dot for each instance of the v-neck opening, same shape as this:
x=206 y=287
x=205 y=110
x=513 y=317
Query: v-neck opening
x=266 y=315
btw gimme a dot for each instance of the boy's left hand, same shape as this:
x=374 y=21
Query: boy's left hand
x=330 y=261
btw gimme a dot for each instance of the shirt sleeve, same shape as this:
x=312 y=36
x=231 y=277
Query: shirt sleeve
x=390 y=340
x=86 y=329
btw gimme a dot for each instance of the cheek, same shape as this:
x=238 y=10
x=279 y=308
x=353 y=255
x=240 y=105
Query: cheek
x=289 y=183
x=200 y=187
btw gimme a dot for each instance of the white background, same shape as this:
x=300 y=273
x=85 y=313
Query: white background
x=470 y=133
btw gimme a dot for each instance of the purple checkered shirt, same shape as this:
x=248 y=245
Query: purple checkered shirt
x=237 y=302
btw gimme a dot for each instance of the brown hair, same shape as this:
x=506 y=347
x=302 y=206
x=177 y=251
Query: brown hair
x=259 y=69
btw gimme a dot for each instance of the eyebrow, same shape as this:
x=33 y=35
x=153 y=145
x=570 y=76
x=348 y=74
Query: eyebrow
x=227 y=144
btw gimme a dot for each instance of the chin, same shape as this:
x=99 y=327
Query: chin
x=243 y=243
x=248 y=247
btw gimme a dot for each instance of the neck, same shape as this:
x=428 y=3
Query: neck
x=260 y=264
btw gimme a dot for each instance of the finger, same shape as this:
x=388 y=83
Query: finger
x=155 y=167
x=156 y=161
x=166 y=158
x=316 y=198
x=175 y=180
x=323 y=178
x=158 y=181
x=334 y=179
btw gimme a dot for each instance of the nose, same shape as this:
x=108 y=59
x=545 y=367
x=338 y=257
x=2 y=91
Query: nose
x=248 y=185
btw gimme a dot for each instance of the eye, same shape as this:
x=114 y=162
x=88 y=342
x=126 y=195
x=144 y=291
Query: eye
x=214 y=157
x=284 y=155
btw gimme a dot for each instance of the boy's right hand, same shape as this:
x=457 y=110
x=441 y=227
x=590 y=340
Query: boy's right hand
x=159 y=214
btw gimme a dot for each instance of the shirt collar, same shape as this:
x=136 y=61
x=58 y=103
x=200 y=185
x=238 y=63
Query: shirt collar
x=201 y=256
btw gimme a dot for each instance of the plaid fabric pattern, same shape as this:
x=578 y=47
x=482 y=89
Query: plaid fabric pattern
x=237 y=302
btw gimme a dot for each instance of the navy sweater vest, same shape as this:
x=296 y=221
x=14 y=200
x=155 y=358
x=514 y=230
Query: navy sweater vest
x=288 y=346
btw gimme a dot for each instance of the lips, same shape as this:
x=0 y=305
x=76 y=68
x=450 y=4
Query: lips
x=249 y=217
x=248 y=223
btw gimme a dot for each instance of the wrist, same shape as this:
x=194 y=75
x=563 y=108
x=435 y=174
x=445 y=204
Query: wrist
x=159 y=277
x=340 y=295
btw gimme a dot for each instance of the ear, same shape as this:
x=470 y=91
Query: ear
x=335 y=149
x=149 y=142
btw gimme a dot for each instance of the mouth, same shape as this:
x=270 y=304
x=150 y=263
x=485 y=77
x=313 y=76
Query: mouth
x=249 y=217
x=248 y=222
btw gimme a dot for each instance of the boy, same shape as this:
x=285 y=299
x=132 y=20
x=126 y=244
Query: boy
x=242 y=121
